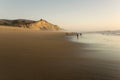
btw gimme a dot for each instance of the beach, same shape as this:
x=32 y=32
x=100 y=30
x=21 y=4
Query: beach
x=34 y=55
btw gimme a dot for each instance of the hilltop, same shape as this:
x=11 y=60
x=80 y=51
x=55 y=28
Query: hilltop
x=30 y=24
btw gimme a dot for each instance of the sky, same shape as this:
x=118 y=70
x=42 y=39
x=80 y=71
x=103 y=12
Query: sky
x=72 y=15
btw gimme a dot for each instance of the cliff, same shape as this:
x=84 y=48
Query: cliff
x=30 y=24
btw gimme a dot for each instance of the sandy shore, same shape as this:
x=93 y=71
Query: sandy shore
x=30 y=55
x=34 y=55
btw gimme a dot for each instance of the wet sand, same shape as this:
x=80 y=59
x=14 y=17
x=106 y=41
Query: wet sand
x=29 y=55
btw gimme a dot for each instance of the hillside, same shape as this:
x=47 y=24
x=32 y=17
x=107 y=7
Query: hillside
x=30 y=24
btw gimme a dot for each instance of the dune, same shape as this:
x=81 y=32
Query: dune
x=41 y=24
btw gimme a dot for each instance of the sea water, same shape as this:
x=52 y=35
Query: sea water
x=106 y=46
x=102 y=58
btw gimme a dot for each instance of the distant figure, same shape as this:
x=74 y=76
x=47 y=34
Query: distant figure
x=80 y=34
x=77 y=35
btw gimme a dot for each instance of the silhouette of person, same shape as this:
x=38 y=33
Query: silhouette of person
x=80 y=34
x=77 y=36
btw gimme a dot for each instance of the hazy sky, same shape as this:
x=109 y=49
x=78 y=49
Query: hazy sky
x=83 y=15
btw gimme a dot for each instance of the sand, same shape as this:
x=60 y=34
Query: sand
x=36 y=55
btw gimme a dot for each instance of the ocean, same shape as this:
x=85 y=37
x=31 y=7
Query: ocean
x=102 y=56
x=107 y=46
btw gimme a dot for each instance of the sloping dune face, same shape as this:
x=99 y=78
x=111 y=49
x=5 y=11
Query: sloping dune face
x=44 y=25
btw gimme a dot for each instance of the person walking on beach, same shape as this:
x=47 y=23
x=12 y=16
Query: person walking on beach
x=77 y=35
x=80 y=34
